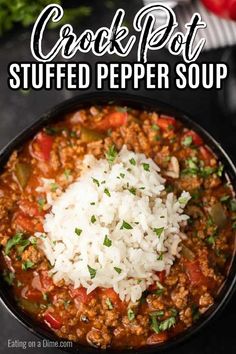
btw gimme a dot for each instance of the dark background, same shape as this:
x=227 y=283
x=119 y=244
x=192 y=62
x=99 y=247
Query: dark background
x=214 y=110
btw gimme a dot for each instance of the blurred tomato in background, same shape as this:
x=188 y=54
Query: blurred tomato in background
x=223 y=8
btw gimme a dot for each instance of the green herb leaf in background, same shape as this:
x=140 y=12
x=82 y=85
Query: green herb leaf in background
x=25 y=13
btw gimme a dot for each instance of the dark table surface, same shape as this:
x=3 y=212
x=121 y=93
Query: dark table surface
x=18 y=109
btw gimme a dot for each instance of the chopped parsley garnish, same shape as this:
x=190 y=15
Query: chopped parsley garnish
x=170 y=126
x=220 y=254
x=33 y=240
x=220 y=170
x=106 y=191
x=93 y=219
x=162 y=326
x=143 y=299
x=8 y=277
x=160 y=256
x=174 y=312
x=154 y=323
x=155 y=127
x=73 y=134
x=92 y=203
x=54 y=187
x=66 y=303
x=78 y=231
x=107 y=242
x=132 y=161
x=159 y=313
x=225 y=198
x=92 y=272
x=111 y=154
x=182 y=200
x=118 y=270
x=109 y=304
x=41 y=203
x=169 y=188
x=132 y=190
x=22 y=246
x=233 y=205
x=96 y=181
x=192 y=166
x=159 y=292
x=207 y=171
x=126 y=226
x=210 y=221
x=196 y=194
x=27 y=265
x=146 y=167
x=195 y=312
x=210 y=240
x=67 y=173
x=158 y=231
x=167 y=159
x=15 y=240
x=187 y=141
x=167 y=324
x=195 y=167
x=18 y=284
x=130 y=314
x=45 y=296
x=52 y=130
x=122 y=175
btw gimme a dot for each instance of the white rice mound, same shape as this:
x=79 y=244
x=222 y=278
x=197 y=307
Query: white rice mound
x=129 y=260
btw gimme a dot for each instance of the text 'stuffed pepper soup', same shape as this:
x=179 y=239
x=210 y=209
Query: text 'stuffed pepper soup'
x=116 y=227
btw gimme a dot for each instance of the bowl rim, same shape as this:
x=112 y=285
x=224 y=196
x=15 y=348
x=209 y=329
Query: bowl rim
x=141 y=102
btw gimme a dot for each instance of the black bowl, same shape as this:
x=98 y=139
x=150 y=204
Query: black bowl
x=141 y=103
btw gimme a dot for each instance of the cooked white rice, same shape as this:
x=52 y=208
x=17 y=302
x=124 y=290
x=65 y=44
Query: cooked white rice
x=84 y=239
